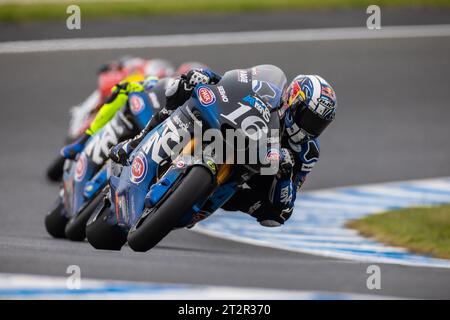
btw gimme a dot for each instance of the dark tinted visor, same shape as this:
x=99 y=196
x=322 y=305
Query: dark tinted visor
x=311 y=122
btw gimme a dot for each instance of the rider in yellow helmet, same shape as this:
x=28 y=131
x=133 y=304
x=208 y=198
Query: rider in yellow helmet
x=118 y=98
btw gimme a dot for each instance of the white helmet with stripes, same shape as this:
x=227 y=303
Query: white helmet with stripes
x=309 y=106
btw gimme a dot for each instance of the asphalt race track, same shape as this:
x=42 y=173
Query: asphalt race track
x=392 y=124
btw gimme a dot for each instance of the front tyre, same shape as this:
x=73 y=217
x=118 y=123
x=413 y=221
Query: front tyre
x=76 y=227
x=55 y=169
x=101 y=234
x=56 y=221
x=194 y=187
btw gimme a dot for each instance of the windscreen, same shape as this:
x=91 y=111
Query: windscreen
x=268 y=81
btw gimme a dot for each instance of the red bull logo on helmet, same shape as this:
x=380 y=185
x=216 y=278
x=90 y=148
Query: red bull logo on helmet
x=296 y=93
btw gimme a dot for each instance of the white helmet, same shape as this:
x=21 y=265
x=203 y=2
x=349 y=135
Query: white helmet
x=309 y=106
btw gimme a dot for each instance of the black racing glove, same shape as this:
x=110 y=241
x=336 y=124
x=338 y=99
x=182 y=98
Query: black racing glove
x=180 y=90
x=119 y=153
x=286 y=165
x=195 y=77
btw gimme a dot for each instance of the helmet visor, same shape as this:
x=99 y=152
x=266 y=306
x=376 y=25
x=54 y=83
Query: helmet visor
x=311 y=122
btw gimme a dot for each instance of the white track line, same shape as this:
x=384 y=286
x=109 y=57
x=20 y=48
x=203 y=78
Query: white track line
x=23 y=286
x=318 y=227
x=224 y=38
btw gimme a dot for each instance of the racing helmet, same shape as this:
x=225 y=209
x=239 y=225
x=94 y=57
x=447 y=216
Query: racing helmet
x=308 y=107
x=159 y=68
x=129 y=60
x=185 y=67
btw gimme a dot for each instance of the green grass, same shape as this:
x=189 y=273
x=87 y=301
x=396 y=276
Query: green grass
x=17 y=11
x=421 y=230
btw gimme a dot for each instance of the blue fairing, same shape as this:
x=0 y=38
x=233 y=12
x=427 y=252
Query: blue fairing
x=131 y=207
x=96 y=183
x=142 y=116
x=92 y=175
x=208 y=111
x=158 y=190
x=75 y=183
x=137 y=177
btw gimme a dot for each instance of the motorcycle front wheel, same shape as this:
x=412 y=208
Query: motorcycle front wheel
x=56 y=221
x=55 y=169
x=101 y=234
x=76 y=227
x=194 y=187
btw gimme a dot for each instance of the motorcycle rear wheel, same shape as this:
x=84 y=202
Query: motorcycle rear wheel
x=194 y=187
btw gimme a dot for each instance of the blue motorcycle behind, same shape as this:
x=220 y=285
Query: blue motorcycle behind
x=173 y=179
x=85 y=180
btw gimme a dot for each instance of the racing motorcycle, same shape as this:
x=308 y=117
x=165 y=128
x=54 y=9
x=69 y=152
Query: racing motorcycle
x=81 y=116
x=85 y=178
x=167 y=183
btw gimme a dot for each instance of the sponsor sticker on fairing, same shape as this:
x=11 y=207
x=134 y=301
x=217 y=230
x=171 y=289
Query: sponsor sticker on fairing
x=206 y=96
x=243 y=76
x=81 y=167
x=136 y=104
x=138 y=168
x=154 y=100
x=181 y=164
x=273 y=155
x=223 y=94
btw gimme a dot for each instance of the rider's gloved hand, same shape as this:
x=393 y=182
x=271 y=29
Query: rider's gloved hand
x=70 y=151
x=200 y=76
x=127 y=87
x=179 y=90
x=214 y=78
x=119 y=153
x=286 y=165
x=195 y=77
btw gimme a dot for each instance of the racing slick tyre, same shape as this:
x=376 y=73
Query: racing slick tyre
x=55 y=170
x=103 y=235
x=153 y=228
x=56 y=221
x=76 y=227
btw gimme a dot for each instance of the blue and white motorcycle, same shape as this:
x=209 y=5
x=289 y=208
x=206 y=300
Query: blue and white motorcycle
x=170 y=182
x=85 y=180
